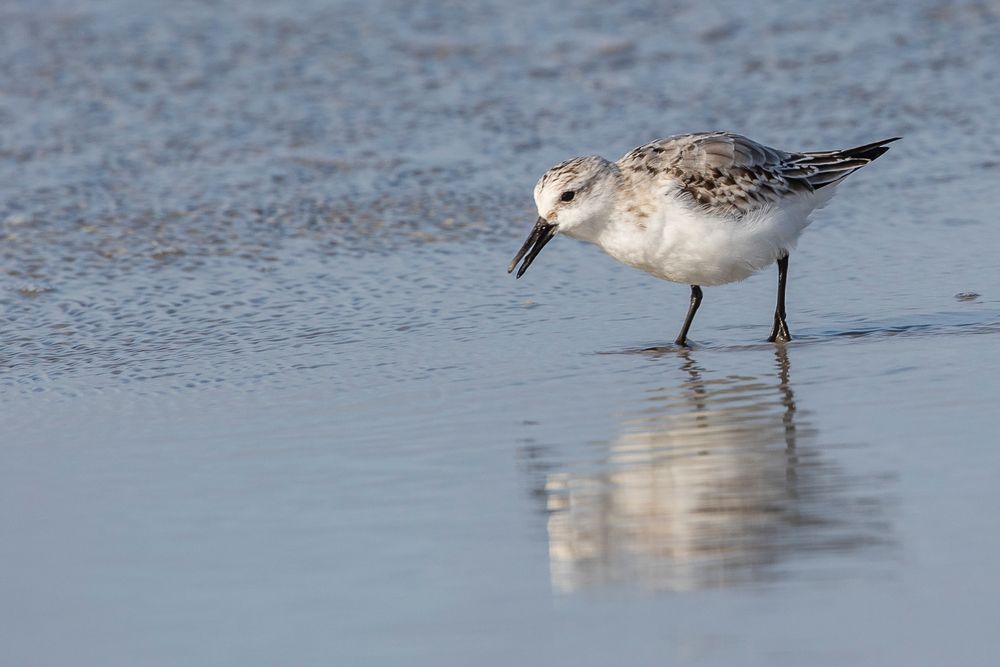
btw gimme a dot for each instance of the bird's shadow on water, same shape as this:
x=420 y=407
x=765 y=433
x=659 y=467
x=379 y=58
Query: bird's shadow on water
x=715 y=479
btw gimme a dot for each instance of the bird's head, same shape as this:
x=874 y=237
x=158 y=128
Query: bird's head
x=572 y=198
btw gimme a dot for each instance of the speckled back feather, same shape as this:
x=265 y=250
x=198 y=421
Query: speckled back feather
x=730 y=175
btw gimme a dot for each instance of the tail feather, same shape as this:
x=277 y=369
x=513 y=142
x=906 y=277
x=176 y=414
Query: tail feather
x=829 y=167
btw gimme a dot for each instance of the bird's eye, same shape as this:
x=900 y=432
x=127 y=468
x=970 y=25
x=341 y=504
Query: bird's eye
x=568 y=195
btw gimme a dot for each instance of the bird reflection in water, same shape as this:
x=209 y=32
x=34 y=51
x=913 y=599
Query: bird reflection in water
x=715 y=482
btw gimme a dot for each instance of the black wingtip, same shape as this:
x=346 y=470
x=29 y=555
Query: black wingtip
x=870 y=151
x=834 y=166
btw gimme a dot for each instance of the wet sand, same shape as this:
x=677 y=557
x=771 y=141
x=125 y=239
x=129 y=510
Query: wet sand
x=269 y=394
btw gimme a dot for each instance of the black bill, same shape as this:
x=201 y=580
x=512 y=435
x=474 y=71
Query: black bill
x=540 y=234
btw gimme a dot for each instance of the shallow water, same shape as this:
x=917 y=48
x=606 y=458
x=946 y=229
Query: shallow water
x=269 y=395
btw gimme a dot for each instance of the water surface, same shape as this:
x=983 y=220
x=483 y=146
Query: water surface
x=269 y=395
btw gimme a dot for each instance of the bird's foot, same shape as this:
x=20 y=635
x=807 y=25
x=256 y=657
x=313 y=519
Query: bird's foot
x=779 y=334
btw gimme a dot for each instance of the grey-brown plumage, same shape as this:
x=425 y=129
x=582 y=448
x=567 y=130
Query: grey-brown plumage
x=569 y=171
x=702 y=209
x=728 y=174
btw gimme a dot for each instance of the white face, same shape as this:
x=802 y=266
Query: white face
x=576 y=194
x=573 y=198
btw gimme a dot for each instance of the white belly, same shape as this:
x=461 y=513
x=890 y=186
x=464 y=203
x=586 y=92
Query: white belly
x=684 y=246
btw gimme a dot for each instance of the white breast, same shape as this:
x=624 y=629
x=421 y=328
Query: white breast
x=683 y=245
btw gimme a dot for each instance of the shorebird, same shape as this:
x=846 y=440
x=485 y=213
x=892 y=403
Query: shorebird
x=702 y=209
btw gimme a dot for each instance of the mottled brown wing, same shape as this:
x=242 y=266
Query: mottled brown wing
x=723 y=173
x=729 y=174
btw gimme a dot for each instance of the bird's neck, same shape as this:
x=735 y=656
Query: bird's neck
x=619 y=233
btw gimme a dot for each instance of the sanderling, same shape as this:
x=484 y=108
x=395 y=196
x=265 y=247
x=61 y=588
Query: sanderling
x=703 y=209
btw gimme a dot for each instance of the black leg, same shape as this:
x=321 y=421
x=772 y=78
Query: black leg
x=692 y=309
x=779 y=332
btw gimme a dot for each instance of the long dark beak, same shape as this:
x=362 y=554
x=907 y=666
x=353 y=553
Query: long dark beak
x=540 y=234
